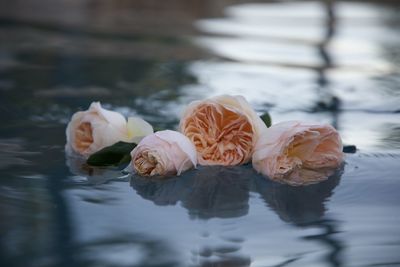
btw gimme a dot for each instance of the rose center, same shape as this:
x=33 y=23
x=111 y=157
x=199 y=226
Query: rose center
x=301 y=149
x=83 y=136
x=147 y=164
x=221 y=136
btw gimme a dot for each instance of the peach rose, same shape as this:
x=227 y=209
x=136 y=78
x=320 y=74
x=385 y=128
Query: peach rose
x=93 y=129
x=298 y=153
x=224 y=129
x=163 y=153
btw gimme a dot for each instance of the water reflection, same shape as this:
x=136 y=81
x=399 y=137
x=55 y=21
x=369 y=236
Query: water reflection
x=329 y=228
x=298 y=205
x=227 y=262
x=305 y=207
x=62 y=222
x=128 y=250
x=216 y=192
x=13 y=153
x=210 y=192
x=37 y=219
x=87 y=174
x=326 y=100
x=224 y=193
x=320 y=52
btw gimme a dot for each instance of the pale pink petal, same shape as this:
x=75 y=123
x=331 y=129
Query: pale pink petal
x=173 y=137
x=290 y=150
x=163 y=153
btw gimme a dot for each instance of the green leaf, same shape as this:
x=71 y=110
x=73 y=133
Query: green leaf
x=116 y=154
x=157 y=129
x=266 y=118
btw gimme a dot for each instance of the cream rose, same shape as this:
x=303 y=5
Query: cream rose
x=93 y=129
x=224 y=129
x=298 y=153
x=163 y=153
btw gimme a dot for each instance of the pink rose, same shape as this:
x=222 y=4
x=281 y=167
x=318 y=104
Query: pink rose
x=298 y=153
x=224 y=129
x=163 y=153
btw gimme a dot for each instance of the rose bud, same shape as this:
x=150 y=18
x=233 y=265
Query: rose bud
x=224 y=129
x=163 y=153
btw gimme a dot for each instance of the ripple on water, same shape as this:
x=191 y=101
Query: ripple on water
x=315 y=62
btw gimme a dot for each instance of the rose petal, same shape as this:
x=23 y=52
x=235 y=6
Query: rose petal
x=108 y=115
x=184 y=144
x=138 y=128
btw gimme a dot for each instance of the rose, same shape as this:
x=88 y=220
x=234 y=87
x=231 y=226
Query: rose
x=96 y=128
x=93 y=129
x=296 y=153
x=224 y=129
x=163 y=153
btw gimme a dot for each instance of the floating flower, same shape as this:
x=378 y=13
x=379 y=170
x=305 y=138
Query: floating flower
x=163 y=153
x=298 y=153
x=224 y=129
x=96 y=128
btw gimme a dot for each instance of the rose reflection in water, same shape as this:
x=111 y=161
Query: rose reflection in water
x=87 y=174
x=220 y=192
x=206 y=193
x=304 y=206
x=209 y=192
x=298 y=204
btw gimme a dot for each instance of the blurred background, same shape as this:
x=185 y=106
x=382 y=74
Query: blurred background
x=326 y=61
x=315 y=60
